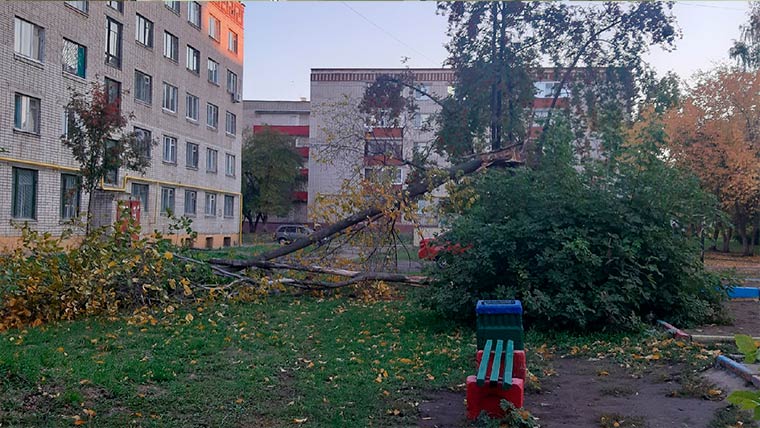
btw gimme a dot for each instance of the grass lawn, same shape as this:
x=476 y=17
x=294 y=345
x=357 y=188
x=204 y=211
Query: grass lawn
x=286 y=361
x=333 y=362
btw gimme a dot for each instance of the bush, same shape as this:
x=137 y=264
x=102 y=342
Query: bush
x=111 y=268
x=582 y=249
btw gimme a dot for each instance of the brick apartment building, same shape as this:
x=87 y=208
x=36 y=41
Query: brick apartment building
x=290 y=118
x=176 y=65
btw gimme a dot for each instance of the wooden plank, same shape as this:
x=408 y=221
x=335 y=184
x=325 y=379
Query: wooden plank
x=496 y=367
x=484 y=363
x=507 y=381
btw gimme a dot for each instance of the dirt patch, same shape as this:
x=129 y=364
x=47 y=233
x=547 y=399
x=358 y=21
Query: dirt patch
x=746 y=320
x=579 y=397
x=442 y=409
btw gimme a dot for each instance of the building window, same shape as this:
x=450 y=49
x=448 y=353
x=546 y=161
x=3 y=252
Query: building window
x=212 y=115
x=68 y=123
x=143 y=87
x=24 y=193
x=191 y=155
x=78 y=4
x=229 y=206
x=193 y=59
x=28 y=39
x=194 y=13
x=144 y=141
x=27 y=113
x=116 y=5
x=387 y=173
x=74 y=58
x=113 y=91
x=231 y=82
x=171 y=46
x=167 y=200
x=191 y=201
x=112 y=174
x=210 y=204
x=170 y=149
x=211 y=156
x=69 y=196
x=229 y=165
x=213 y=71
x=232 y=42
x=140 y=193
x=170 y=98
x=144 y=31
x=230 y=123
x=193 y=105
x=113 y=42
x=419 y=94
x=214 y=27
x=173 y=6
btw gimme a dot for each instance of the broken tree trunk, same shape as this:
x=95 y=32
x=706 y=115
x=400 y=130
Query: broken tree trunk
x=507 y=156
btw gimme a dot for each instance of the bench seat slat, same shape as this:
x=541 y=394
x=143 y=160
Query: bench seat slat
x=481 y=380
x=496 y=367
x=507 y=381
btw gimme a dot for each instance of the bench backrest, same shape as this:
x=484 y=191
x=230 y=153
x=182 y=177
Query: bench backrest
x=500 y=357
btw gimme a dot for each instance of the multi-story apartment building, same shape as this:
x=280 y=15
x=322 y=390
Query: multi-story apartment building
x=379 y=148
x=290 y=118
x=176 y=67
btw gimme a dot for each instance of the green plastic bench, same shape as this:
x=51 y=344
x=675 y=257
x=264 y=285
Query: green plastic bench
x=495 y=360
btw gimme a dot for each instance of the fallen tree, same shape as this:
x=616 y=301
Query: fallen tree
x=507 y=157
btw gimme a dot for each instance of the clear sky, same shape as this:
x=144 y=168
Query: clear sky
x=284 y=40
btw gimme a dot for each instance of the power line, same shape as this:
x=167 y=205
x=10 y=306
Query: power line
x=388 y=33
x=710 y=6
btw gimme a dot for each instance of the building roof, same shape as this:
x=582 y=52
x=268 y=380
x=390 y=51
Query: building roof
x=277 y=106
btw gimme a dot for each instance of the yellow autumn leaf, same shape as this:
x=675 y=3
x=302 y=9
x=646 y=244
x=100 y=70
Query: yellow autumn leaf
x=603 y=373
x=405 y=360
x=239 y=401
x=189 y=317
x=172 y=283
x=168 y=255
x=90 y=412
x=79 y=422
x=60 y=349
x=379 y=378
x=616 y=424
x=300 y=421
x=184 y=281
x=188 y=291
x=169 y=309
x=714 y=392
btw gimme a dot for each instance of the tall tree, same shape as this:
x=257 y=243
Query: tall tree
x=746 y=50
x=498 y=48
x=716 y=133
x=98 y=141
x=270 y=174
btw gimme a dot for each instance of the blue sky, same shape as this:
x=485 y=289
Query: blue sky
x=284 y=40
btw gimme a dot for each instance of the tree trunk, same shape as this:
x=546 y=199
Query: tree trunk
x=255 y=223
x=715 y=235
x=728 y=233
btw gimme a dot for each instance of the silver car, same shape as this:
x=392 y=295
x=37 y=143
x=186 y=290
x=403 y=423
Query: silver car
x=288 y=233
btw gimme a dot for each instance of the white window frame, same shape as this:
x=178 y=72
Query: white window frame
x=81 y=5
x=28 y=39
x=194 y=14
x=192 y=105
x=192 y=155
x=230 y=123
x=212 y=160
x=170 y=150
x=232 y=82
x=213 y=71
x=167 y=200
x=229 y=165
x=169 y=102
x=80 y=50
x=28 y=118
x=212 y=116
x=193 y=62
x=141 y=80
x=214 y=27
x=144 y=31
x=229 y=206
x=171 y=47
x=191 y=196
x=232 y=41
x=210 y=205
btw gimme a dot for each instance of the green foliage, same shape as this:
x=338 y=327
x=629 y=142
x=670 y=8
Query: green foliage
x=748 y=347
x=270 y=167
x=45 y=279
x=513 y=418
x=746 y=51
x=746 y=400
x=595 y=248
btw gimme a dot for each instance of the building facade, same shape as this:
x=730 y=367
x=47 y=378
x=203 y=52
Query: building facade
x=175 y=66
x=290 y=118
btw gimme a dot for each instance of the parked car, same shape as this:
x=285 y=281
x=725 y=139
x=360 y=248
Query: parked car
x=437 y=248
x=288 y=233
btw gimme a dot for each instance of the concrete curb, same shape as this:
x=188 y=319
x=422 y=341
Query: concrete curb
x=675 y=332
x=738 y=369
